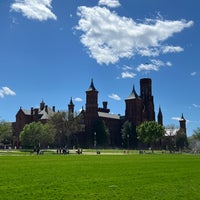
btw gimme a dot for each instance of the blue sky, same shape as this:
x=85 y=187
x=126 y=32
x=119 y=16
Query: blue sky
x=50 y=50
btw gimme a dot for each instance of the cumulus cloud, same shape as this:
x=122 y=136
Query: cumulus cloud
x=34 y=9
x=155 y=65
x=109 y=37
x=110 y=3
x=78 y=99
x=115 y=97
x=5 y=91
x=172 y=49
x=128 y=74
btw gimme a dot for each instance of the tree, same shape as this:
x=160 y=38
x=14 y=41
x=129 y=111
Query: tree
x=65 y=126
x=74 y=124
x=150 y=132
x=169 y=140
x=129 y=135
x=195 y=140
x=37 y=135
x=181 y=140
x=5 y=132
x=102 y=134
x=196 y=134
x=58 y=122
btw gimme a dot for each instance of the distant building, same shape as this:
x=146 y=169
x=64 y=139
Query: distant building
x=24 y=117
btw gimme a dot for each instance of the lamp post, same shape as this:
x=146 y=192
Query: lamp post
x=128 y=143
x=95 y=141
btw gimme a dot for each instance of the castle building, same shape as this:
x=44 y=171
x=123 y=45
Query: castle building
x=138 y=108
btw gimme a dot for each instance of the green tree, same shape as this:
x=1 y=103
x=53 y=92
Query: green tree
x=100 y=133
x=181 y=140
x=74 y=124
x=59 y=123
x=196 y=134
x=150 y=132
x=48 y=135
x=36 y=134
x=65 y=125
x=129 y=135
x=5 y=132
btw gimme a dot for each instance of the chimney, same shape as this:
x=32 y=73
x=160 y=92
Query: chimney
x=46 y=108
x=36 y=111
x=31 y=110
x=105 y=103
x=54 y=109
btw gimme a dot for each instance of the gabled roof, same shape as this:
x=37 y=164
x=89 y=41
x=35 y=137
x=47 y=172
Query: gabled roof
x=171 y=132
x=26 y=112
x=43 y=114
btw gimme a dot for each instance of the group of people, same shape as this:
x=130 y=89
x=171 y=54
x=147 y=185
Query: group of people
x=62 y=151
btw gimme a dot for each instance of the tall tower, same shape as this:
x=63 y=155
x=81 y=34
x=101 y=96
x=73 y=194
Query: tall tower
x=91 y=112
x=91 y=100
x=146 y=95
x=182 y=122
x=42 y=105
x=160 y=117
x=133 y=112
x=70 y=107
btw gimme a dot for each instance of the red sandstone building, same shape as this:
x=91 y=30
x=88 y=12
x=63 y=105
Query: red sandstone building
x=138 y=108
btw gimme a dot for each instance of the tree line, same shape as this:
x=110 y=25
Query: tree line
x=63 y=126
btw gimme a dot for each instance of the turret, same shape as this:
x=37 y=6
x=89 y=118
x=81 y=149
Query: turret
x=182 y=122
x=91 y=100
x=133 y=111
x=160 y=117
x=71 y=107
x=42 y=105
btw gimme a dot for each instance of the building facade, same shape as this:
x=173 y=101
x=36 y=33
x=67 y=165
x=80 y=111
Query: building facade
x=138 y=108
x=24 y=117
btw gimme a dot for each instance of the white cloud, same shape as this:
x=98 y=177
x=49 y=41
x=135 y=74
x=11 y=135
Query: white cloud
x=110 y=3
x=155 y=65
x=195 y=105
x=109 y=37
x=34 y=9
x=149 y=52
x=193 y=73
x=127 y=67
x=147 y=67
x=171 y=49
x=176 y=118
x=128 y=74
x=78 y=99
x=115 y=97
x=169 y=64
x=5 y=91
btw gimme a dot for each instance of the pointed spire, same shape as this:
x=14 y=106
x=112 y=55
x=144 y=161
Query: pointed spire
x=133 y=94
x=71 y=102
x=160 y=116
x=182 y=118
x=92 y=88
x=160 y=110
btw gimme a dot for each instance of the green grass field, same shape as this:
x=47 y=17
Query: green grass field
x=48 y=176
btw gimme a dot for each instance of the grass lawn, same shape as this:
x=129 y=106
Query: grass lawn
x=158 y=176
